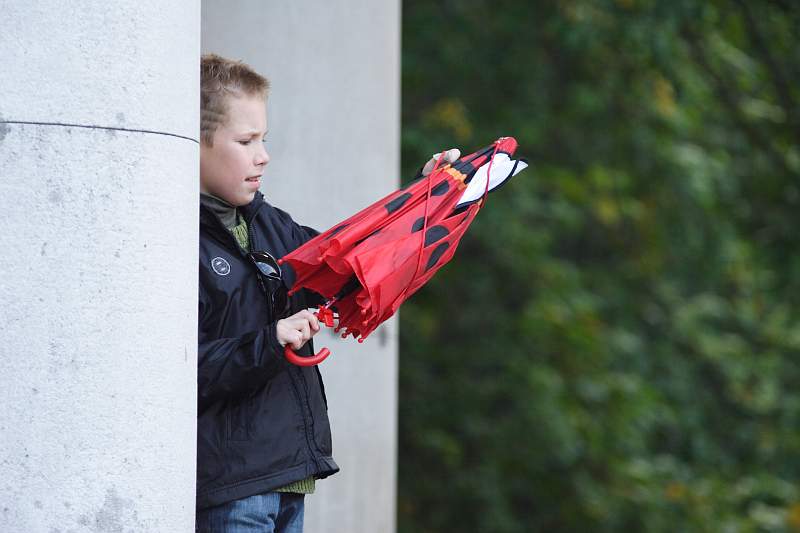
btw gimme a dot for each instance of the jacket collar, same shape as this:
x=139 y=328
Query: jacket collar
x=248 y=211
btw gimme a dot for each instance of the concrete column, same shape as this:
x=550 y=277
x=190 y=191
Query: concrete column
x=98 y=295
x=334 y=124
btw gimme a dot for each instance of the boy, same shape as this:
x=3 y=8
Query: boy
x=263 y=434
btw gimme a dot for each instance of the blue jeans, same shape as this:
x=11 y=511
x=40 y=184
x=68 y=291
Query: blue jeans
x=273 y=512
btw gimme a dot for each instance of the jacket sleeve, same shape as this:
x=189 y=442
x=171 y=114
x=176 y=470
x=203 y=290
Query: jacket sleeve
x=308 y=233
x=313 y=299
x=297 y=234
x=301 y=235
x=232 y=367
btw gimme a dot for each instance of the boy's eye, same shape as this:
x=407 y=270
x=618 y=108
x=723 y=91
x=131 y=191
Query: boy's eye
x=245 y=143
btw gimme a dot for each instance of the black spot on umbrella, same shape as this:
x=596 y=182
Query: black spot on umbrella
x=367 y=237
x=418 y=225
x=465 y=167
x=440 y=189
x=434 y=234
x=336 y=230
x=398 y=202
x=351 y=285
x=436 y=255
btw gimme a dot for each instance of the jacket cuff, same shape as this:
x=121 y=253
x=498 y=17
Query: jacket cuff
x=274 y=345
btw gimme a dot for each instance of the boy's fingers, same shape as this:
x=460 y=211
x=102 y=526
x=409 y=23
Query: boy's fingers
x=298 y=343
x=449 y=157
x=452 y=154
x=311 y=318
x=305 y=325
x=308 y=318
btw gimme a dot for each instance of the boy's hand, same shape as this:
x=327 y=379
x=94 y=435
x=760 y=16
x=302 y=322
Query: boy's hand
x=449 y=156
x=297 y=329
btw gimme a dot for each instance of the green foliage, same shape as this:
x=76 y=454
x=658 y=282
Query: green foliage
x=616 y=345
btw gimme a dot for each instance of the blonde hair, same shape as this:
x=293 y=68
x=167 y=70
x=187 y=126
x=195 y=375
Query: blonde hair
x=220 y=78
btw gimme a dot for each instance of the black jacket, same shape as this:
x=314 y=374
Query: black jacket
x=262 y=422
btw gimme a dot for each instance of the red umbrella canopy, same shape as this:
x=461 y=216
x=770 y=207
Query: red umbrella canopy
x=369 y=264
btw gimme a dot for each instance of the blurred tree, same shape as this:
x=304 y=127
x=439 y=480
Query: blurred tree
x=616 y=345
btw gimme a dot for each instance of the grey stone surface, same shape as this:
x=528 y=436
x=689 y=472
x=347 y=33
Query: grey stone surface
x=334 y=121
x=98 y=298
x=98 y=321
x=111 y=64
x=99 y=330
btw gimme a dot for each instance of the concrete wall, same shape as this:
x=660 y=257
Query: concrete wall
x=98 y=297
x=333 y=118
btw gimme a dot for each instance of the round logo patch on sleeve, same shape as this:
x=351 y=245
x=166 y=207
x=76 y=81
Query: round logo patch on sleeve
x=221 y=266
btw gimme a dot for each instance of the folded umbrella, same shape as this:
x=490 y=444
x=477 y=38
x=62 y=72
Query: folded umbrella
x=368 y=265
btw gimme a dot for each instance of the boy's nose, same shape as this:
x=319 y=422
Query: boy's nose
x=262 y=157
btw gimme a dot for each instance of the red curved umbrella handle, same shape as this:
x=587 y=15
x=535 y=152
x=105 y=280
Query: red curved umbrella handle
x=299 y=360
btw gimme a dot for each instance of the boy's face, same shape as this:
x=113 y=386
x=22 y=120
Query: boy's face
x=231 y=169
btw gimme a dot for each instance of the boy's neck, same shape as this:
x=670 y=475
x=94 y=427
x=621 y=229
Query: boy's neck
x=225 y=211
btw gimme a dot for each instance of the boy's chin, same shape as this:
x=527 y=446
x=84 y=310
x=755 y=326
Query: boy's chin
x=245 y=201
x=241 y=200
